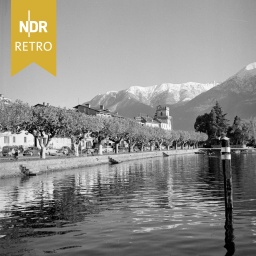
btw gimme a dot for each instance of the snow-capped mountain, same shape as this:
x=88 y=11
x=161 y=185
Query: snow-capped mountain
x=236 y=95
x=151 y=96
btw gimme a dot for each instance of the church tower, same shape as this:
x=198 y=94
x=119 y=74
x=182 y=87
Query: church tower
x=162 y=112
x=162 y=116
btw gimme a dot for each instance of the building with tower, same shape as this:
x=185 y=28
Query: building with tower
x=161 y=119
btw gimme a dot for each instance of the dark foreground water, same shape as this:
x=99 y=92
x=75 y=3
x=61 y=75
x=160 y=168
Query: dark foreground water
x=161 y=206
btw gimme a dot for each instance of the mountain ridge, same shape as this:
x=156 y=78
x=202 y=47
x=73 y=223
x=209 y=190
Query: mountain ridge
x=166 y=93
x=236 y=95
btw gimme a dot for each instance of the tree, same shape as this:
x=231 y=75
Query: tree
x=169 y=138
x=143 y=137
x=221 y=121
x=240 y=132
x=184 y=138
x=14 y=116
x=151 y=134
x=46 y=123
x=214 y=124
x=202 y=123
x=176 y=138
x=132 y=134
x=160 y=137
x=98 y=126
x=117 y=130
x=76 y=128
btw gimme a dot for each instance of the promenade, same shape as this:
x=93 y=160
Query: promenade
x=38 y=166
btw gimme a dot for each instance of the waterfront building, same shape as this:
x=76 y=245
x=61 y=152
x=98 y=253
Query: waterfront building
x=11 y=139
x=161 y=119
x=88 y=110
x=146 y=120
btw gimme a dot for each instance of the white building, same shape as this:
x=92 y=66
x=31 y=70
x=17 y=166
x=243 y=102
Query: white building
x=22 y=139
x=161 y=119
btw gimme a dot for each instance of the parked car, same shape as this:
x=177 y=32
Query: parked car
x=66 y=150
x=31 y=151
x=55 y=152
x=7 y=150
x=51 y=151
x=59 y=152
x=107 y=149
x=88 y=151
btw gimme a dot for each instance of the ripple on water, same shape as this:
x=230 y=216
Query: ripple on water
x=172 y=206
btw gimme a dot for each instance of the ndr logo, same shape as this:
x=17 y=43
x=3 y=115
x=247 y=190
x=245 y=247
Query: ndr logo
x=31 y=26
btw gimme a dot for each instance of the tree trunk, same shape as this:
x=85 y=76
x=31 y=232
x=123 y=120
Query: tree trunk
x=43 y=152
x=116 y=148
x=43 y=148
x=151 y=147
x=160 y=146
x=76 y=148
x=100 y=149
x=131 y=146
x=35 y=141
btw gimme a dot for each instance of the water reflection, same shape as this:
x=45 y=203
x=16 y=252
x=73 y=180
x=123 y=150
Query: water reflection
x=229 y=232
x=169 y=204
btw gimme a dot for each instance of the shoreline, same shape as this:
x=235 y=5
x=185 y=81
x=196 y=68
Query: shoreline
x=39 y=166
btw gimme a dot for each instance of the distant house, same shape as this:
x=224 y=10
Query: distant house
x=101 y=111
x=161 y=119
x=11 y=139
x=42 y=105
x=146 y=120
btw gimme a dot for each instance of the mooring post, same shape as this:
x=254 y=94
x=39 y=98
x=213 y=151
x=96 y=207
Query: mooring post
x=227 y=172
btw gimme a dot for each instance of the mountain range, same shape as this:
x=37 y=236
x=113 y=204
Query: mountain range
x=236 y=95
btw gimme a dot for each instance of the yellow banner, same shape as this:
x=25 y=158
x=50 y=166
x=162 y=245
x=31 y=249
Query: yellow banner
x=33 y=34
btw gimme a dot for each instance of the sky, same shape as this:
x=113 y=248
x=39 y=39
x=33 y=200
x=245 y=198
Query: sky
x=111 y=45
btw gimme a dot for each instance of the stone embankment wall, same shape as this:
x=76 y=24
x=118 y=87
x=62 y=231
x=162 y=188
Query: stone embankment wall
x=11 y=169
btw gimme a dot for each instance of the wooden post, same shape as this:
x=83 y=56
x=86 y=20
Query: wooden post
x=227 y=172
x=229 y=232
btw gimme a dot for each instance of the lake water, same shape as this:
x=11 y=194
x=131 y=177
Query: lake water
x=159 y=206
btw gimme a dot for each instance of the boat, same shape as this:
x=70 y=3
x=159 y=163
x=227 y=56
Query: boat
x=165 y=154
x=25 y=171
x=113 y=161
x=200 y=152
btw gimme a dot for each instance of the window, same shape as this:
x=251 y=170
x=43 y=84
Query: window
x=6 y=139
x=88 y=144
x=25 y=139
x=13 y=139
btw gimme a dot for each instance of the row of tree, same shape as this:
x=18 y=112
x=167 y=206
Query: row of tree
x=215 y=124
x=47 y=122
